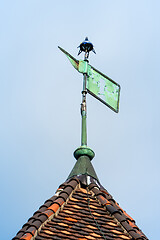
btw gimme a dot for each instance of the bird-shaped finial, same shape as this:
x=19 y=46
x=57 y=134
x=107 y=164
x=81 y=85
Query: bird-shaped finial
x=86 y=47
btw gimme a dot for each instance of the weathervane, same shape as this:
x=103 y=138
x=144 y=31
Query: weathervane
x=95 y=83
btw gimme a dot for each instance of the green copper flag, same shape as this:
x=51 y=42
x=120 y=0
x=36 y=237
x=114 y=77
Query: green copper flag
x=103 y=88
x=98 y=85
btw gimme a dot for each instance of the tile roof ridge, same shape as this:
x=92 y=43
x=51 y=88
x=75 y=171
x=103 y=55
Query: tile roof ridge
x=125 y=221
x=48 y=210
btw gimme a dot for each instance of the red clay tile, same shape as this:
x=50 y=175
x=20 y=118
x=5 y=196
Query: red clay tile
x=73 y=182
x=48 y=213
x=26 y=236
x=32 y=230
x=120 y=217
x=59 y=201
x=54 y=207
x=37 y=223
x=92 y=185
x=71 y=219
x=42 y=217
x=103 y=200
x=63 y=195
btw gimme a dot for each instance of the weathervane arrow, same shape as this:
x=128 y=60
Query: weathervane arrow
x=96 y=83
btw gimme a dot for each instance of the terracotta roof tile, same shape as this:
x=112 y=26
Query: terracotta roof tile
x=26 y=236
x=80 y=212
x=42 y=217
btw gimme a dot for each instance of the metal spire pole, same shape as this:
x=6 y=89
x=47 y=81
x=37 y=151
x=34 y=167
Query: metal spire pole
x=85 y=47
x=84 y=107
x=83 y=152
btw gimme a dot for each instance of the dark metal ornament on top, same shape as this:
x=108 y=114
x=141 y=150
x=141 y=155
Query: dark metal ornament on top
x=86 y=46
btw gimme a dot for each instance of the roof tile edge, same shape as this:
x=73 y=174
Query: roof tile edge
x=127 y=223
x=30 y=230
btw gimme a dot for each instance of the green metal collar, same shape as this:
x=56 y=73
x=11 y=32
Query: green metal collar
x=84 y=151
x=83 y=166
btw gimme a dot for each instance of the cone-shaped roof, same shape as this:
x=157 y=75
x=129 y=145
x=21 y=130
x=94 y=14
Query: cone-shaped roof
x=81 y=209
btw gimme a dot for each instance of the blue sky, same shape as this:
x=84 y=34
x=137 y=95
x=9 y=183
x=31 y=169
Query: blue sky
x=40 y=95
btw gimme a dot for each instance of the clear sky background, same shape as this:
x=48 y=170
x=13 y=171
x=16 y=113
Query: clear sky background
x=40 y=96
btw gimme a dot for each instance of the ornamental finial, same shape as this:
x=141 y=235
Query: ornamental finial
x=86 y=46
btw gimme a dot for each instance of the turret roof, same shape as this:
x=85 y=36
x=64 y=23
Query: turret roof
x=81 y=209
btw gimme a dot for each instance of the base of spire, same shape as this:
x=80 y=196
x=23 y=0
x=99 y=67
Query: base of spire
x=83 y=166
